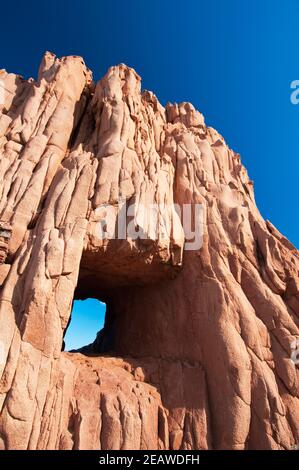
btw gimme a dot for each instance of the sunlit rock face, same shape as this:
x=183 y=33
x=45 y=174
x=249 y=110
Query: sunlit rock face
x=200 y=333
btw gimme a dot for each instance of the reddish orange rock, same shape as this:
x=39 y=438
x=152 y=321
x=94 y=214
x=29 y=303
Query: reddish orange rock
x=198 y=346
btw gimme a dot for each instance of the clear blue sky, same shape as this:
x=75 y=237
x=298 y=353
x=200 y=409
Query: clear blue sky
x=233 y=59
x=87 y=319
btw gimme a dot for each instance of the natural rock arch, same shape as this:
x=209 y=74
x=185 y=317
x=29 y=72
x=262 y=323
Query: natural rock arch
x=203 y=338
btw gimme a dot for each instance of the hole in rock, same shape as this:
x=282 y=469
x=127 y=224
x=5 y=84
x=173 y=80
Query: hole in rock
x=86 y=323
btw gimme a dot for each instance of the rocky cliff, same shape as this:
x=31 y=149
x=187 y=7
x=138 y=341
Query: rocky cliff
x=200 y=339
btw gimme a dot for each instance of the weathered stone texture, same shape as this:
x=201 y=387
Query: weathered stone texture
x=201 y=339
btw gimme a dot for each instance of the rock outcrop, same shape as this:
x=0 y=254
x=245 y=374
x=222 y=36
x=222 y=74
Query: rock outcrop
x=202 y=339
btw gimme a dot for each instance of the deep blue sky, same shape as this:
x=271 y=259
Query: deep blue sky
x=233 y=59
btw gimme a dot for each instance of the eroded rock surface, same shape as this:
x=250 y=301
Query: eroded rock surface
x=202 y=338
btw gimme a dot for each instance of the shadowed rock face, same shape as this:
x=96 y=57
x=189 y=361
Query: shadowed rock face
x=202 y=339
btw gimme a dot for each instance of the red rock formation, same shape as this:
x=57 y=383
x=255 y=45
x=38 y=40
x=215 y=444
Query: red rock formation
x=202 y=339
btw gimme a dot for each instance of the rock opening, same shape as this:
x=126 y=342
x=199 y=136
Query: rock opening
x=86 y=321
